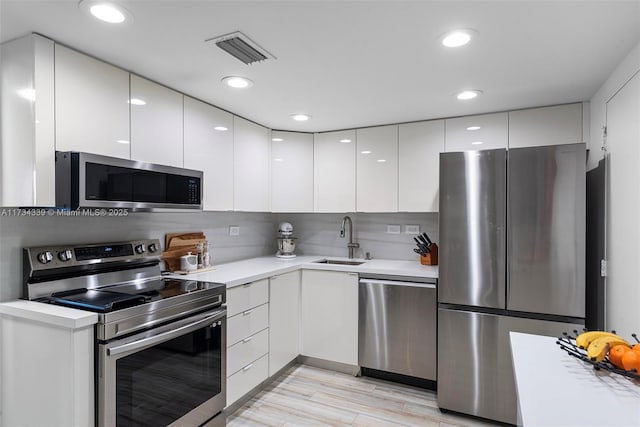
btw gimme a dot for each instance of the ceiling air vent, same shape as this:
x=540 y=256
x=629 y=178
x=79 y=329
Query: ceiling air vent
x=241 y=47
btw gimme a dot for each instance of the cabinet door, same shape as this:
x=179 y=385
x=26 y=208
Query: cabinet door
x=208 y=146
x=559 y=124
x=28 y=167
x=92 y=109
x=291 y=172
x=377 y=169
x=419 y=148
x=483 y=132
x=334 y=164
x=284 y=320
x=156 y=126
x=330 y=315
x=250 y=166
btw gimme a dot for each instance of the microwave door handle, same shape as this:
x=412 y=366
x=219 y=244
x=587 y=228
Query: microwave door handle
x=165 y=336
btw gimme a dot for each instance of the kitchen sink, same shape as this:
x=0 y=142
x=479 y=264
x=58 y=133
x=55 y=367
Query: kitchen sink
x=339 y=261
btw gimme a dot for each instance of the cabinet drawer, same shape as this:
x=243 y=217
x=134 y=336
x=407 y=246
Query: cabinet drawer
x=246 y=351
x=244 y=297
x=247 y=323
x=246 y=379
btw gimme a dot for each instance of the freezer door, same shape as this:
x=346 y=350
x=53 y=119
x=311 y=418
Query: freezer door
x=546 y=230
x=475 y=374
x=472 y=228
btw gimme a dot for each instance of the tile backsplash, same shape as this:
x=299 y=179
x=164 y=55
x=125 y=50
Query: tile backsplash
x=318 y=234
x=256 y=238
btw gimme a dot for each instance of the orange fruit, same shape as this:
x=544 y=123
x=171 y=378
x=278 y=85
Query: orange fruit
x=631 y=360
x=636 y=348
x=616 y=353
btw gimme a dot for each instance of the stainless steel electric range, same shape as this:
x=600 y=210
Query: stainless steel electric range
x=160 y=342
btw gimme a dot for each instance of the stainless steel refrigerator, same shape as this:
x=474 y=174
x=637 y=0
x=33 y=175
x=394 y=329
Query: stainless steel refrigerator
x=512 y=250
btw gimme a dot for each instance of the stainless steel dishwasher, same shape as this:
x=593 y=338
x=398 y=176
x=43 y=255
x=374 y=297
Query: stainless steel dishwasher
x=397 y=326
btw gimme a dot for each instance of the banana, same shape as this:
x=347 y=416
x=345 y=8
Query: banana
x=598 y=348
x=584 y=339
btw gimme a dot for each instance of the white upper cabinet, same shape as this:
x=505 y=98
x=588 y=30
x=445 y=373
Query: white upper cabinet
x=377 y=169
x=250 y=166
x=419 y=148
x=91 y=101
x=291 y=172
x=482 y=132
x=334 y=165
x=208 y=146
x=27 y=144
x=559 y=124
x=156 y=123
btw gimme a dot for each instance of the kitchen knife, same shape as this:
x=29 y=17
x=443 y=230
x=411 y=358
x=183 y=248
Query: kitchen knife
x=418 y=251
x=423 y=248
x=426 y=236
x=423 y=240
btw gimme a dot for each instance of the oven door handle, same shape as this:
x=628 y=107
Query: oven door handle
x=166 y=336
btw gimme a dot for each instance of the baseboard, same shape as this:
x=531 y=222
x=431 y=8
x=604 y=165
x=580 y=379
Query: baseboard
x=344 y=368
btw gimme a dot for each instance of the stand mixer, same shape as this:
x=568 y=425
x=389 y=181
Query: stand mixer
x=286 y=243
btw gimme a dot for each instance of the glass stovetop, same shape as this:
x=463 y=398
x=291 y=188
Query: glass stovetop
x=115 y=297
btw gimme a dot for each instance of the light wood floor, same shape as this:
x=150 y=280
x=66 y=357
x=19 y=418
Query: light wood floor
x=307 y=396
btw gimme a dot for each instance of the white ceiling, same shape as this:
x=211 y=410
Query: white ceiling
x=354 y=63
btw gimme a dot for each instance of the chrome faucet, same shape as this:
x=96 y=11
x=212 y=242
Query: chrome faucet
x=351 y=245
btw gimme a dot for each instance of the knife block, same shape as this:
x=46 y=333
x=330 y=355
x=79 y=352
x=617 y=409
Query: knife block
x=431 y=258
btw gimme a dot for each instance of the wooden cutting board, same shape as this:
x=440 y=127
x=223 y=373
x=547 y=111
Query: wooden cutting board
x=179 y=244
x=183 y=239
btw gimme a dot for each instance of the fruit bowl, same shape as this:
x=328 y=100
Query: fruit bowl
x=576 y=345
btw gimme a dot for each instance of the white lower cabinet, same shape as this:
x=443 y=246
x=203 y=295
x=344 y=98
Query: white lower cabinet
x=330 y=315
x=247 y=323
x=246 y=379
x=247 y=338
x=284 y=320
x=247 y=351
x=245 y=297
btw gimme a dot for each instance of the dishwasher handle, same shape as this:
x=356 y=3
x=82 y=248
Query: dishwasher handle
x=397 y=283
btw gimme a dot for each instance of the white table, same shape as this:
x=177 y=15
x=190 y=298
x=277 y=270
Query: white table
x=555 y=389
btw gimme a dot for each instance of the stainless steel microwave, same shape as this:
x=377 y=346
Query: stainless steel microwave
x=85 y=180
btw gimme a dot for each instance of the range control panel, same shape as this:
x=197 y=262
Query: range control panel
x=56 y=257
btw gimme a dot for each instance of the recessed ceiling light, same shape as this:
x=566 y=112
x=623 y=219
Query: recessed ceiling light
x=237 y=82
x=474 y=128
x=457 y=38
x=220 y=128
x=278 y=159
x=365 y=152
x=300 y=117
x=277 y=139
x=122 y=141
x=381 y=160
x=137 y=101
x=106 y=11
x=345 y=141
x=477 y=143
x=468 y=94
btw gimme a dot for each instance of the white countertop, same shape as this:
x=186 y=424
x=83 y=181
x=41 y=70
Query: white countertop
x=555 y=389
x=232 y=274
x=240 y=272
x=50 y=314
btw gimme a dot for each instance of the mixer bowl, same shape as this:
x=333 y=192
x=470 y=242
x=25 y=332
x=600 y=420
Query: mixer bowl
x=286 y=245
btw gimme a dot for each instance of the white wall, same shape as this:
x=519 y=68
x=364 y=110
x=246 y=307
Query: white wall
x=617 y=105
x=598 y=104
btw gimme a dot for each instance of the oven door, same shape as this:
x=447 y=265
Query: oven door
x=174 y=374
